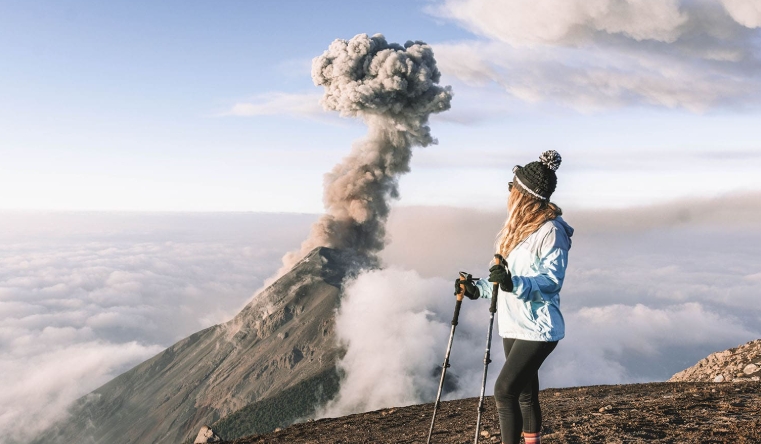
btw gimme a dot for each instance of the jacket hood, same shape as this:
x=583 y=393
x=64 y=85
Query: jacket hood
x=562 y=224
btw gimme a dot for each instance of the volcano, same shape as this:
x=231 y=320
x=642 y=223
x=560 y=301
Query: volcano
x=282 y=342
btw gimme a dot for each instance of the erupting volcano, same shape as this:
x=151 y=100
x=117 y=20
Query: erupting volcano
x=275 y=362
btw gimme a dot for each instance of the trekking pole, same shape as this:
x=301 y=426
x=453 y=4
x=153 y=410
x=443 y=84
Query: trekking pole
x=498 y=260
x=446 y=357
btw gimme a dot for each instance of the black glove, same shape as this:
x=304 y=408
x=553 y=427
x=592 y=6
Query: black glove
x=471 y=291
x=501 y=275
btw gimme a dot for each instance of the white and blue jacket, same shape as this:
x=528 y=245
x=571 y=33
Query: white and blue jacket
x=532 y=310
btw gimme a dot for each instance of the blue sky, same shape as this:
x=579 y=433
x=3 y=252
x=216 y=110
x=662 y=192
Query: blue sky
x=131 y=105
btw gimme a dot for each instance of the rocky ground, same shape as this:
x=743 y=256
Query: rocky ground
x=670 y=412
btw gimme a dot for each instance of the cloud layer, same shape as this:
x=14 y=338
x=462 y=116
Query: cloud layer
x=609 y=53
x=649 y=291
x=84 y=297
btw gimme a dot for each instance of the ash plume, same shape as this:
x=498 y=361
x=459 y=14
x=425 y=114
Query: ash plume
x=393 y=89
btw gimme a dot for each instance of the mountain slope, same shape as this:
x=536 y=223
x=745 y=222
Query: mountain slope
x=279 y=410
x=280 y=339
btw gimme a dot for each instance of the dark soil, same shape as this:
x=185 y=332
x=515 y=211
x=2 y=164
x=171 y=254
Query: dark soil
x=682 y=412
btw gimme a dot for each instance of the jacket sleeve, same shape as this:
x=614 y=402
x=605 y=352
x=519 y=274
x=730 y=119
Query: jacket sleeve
x=549 y=281
x=484 y=288
x=551 y=272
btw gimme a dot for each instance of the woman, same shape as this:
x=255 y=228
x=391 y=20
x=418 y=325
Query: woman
x=535 y=242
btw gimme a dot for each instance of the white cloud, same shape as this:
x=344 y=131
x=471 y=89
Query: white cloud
x=613 y=344
x=47 y=370
x=590 y=79
x=745 y=12
x=552 y=21
x=608 y=53
x=299 y=105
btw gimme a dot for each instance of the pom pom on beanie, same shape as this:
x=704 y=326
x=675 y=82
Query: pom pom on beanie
x=551 y=159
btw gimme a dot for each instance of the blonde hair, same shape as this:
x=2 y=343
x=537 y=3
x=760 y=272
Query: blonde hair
x=525 y=214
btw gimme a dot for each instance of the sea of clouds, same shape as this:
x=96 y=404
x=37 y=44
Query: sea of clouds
x=86 y=296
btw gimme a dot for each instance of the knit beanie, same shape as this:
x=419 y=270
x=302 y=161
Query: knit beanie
x=538 y=178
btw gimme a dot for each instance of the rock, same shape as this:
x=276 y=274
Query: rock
x=724 y=366
x=607 y=407
x=206 y=435
x=485 y=433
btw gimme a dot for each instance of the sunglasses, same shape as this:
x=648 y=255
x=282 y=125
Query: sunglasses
x=510 y=184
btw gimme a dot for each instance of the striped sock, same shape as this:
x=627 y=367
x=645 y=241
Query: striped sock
x=532 y=438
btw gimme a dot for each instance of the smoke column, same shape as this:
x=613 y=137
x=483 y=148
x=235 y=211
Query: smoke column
x=393 y=89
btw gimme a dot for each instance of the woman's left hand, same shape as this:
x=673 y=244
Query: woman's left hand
x=501 y=275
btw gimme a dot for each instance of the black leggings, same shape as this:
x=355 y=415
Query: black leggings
x=517 y=389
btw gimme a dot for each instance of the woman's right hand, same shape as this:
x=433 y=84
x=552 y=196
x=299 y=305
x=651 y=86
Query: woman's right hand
x=471 y=291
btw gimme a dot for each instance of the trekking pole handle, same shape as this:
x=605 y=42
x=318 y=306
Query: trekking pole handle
x=457 y=305
x=498 y=260
x=461 y=293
